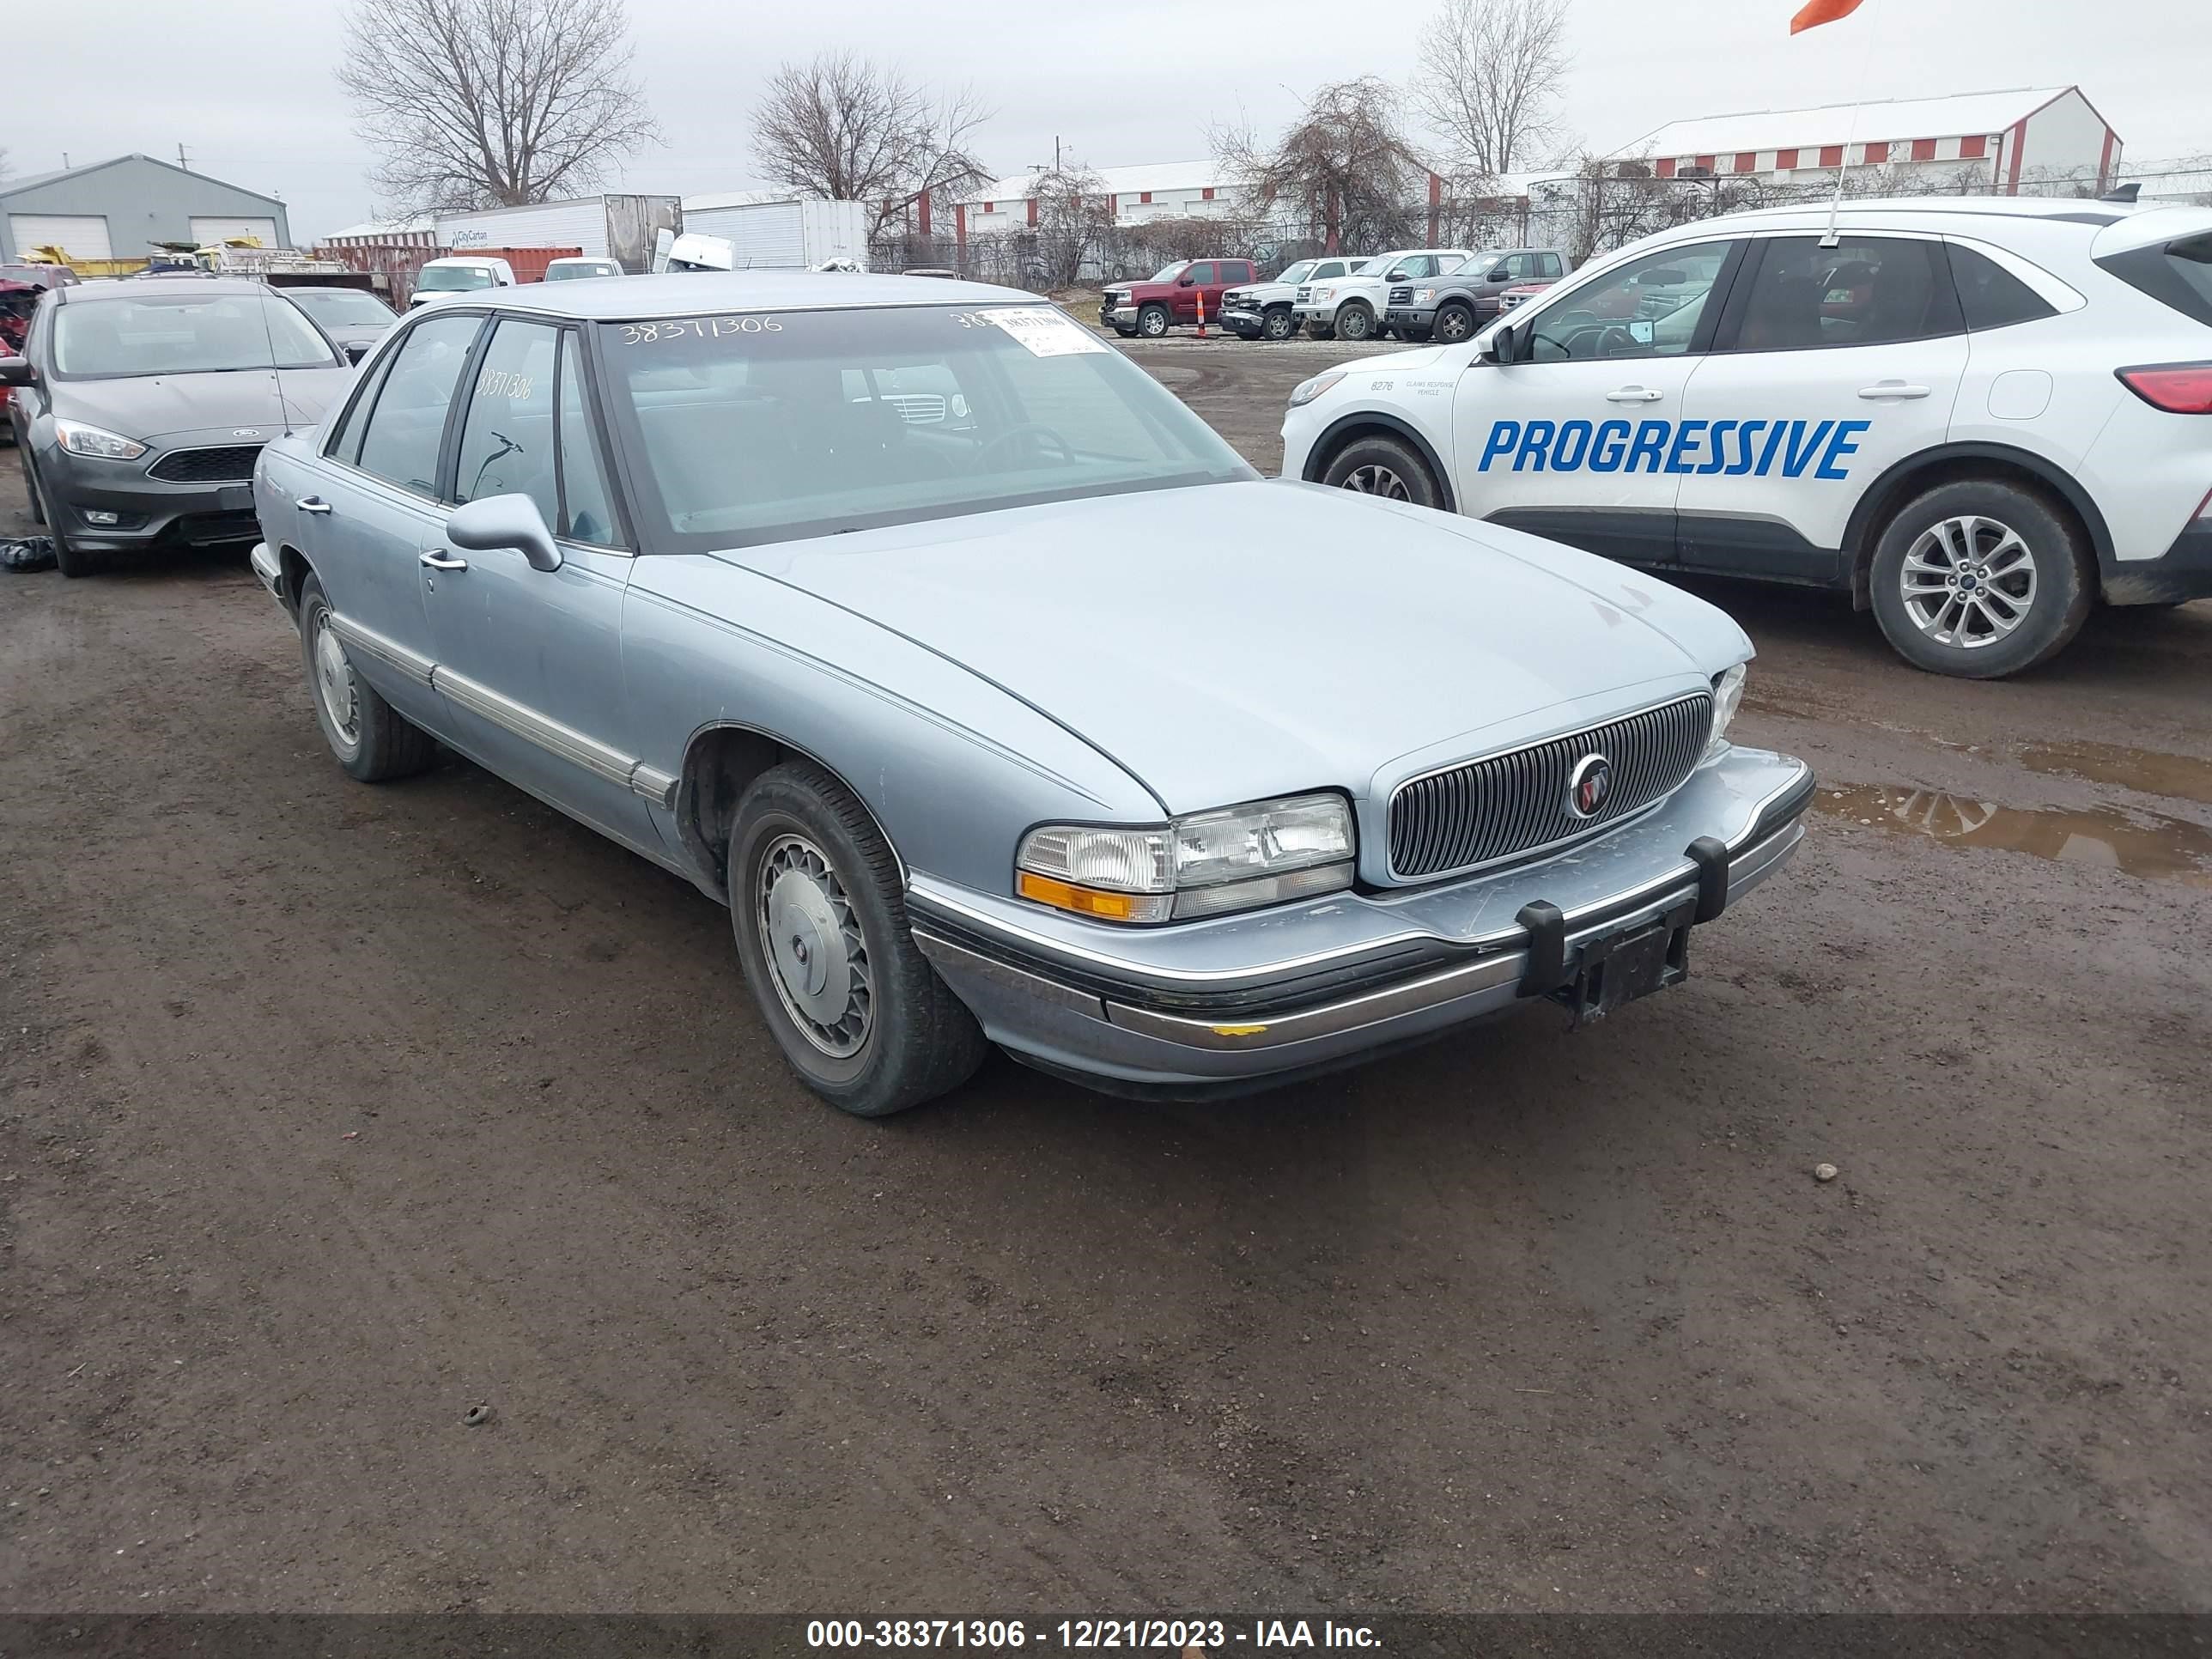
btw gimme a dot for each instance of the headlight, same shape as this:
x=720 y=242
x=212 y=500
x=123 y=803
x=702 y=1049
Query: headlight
x=1204 y=865
x=1423 y=296
x=1306 y=390
x=79 y=438
x=1324 y=293
x=1728 y=697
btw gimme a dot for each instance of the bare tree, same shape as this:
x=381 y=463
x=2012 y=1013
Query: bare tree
x=1075 y=219
x=1489 y=82
x=1342 y=170
x=844 y=127
x=492 y=103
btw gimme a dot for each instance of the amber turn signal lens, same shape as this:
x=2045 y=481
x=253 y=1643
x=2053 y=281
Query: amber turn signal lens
x=1092 y=900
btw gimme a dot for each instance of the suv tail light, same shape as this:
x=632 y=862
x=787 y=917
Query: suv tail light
x=2177 y=388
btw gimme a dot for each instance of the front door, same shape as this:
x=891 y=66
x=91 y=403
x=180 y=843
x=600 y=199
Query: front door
x=530 y=660
x=1580 y=438
x=373 y=506
x=1830 y=365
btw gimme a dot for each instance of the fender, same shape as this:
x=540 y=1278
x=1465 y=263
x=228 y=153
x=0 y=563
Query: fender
x=1334 y=434
x=1884 y=493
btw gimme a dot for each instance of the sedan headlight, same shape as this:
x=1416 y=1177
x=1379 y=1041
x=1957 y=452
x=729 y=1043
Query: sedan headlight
x=1306 y=390
x=79 y=438
x=1728 y=697
x=1204 y=865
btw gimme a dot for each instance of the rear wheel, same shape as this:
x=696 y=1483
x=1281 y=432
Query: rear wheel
x=368 y=737
x=1981 y=579
x=1153 y=321
x=1385 y=467
x=1355 y=321
x=1278 y=323
x=820 y=919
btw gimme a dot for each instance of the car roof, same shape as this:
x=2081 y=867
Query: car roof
x=85 y=294
x=688 y=293
x=2049 y=210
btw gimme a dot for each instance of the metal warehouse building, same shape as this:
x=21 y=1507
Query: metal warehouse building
x=113 y=210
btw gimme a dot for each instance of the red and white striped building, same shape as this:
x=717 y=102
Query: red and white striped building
x=2026 y=138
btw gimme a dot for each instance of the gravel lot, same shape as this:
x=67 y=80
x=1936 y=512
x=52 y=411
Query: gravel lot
x=328 y=1112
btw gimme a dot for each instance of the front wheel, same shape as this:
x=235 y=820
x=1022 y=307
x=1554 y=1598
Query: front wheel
x=1385 y=467
x=820 y=920
x=1981 y=579
x=1453 y=323
x=1153 y=321
x=1279 y=324
x=1355 y=322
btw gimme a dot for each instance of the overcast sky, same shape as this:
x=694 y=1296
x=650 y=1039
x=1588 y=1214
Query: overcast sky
x=246 y=85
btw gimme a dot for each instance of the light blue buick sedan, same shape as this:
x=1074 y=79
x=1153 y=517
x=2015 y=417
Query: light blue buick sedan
x=996 y=698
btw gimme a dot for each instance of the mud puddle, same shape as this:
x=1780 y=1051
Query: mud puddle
x=2183 y=777
x=2138 y=844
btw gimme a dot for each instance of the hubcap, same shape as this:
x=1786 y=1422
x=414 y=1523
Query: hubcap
x=816 y=952
x=334 y=683
x=1968 y=582
x=1352 y=326
x=1452 y=325
x=1378 y=481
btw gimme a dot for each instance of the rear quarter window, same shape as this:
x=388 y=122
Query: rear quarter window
x=2177 y=274
x=1990 y=295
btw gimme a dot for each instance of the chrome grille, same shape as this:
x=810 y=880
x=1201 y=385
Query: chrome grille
x=917 y=408
x=1401 y=297
x=1506 y=807
x=227 y=464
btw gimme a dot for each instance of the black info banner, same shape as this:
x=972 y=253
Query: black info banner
x=1470 y=1635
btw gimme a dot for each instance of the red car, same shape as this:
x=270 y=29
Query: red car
x=17 y=300
x=1173 y=295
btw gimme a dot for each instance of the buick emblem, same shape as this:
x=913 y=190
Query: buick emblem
x=1590 y=785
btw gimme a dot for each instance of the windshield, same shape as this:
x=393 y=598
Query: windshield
x=184 y=334
x=1377 y=265
x=1168 y=273
x=764 y=428
x=1298 y=272
x=443 y=279
x=341 y=307
x=558 y=272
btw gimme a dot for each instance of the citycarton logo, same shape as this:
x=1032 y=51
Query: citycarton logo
x=1734 y=447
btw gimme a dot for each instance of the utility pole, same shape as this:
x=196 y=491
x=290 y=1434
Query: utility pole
x=183 y=160
x=1055 y=152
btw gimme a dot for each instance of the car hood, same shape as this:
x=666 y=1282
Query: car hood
x=1229 y=642
x=154 y=406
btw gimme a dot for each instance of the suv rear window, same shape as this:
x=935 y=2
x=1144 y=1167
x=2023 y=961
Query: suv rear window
x=2179 y=274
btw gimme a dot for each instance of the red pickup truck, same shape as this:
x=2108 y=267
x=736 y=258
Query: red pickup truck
x=1173 y=296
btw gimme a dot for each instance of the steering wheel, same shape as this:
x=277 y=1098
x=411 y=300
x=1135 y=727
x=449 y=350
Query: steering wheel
x=1026 y=430
x=1614 y=332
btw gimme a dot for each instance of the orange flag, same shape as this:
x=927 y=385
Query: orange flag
x=1817 y=12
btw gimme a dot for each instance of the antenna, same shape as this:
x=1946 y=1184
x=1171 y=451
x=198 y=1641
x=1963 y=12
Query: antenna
x=1851 y=131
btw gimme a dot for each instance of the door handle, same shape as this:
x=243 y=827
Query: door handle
x=1897 y=389
x=312 y=504
x=1634 y=394
x=438 y=559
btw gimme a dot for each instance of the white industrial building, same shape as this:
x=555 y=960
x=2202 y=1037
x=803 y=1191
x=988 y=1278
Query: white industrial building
x=1155 y=190
x=2021 y=139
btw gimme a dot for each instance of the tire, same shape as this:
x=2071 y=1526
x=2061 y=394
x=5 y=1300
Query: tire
x=70 y=559
x=378 y=743
x=804 y=856
x=1125 y=333
x=1319 y=330
x=1355 y=321
x=1383 y=466
x=1454 y=323
x=1153 y=322
x=2002 y=579
x=1279 y=324
x=1417 y=336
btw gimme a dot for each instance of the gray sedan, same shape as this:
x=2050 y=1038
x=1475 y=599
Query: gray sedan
x=996 y=698
x=142 y=406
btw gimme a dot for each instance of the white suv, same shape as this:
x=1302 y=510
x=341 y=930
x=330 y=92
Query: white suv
x=1352 y=307
x=1979 y=416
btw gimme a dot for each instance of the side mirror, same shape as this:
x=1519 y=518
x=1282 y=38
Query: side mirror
x=498 y=522
x=1496 y=275
x=1186 y=279
x=355 y=350
x=1504 y=346
x=17 y=371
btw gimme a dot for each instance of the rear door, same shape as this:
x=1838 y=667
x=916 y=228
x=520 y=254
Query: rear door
x=373 y=507
x=1831 y=365
x=1579 y=440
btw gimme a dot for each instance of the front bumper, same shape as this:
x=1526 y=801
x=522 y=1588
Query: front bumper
x=1118 y=316
x=1250 y=323
x=1254 y=1000
x=152 y=512
x=1416 y=317
x=267 y=572
x=2182 y=572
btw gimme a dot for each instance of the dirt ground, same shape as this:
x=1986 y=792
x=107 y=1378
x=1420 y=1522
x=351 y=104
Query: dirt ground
x=328 y=1112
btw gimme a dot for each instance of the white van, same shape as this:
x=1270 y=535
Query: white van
x=459 y=273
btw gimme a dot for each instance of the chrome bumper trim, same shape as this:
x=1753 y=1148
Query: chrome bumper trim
x=1329 y=1018
x=268 y=571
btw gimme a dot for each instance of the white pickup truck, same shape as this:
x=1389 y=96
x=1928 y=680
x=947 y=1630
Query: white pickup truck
x=1352 y=307
x=1261 y=311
